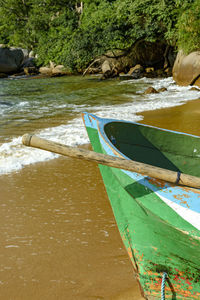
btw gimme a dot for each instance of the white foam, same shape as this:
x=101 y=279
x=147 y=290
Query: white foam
x=173 y=96
x=14 y=156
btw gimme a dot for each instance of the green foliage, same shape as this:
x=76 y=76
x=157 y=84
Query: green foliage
x=189 y=28
x=107 y=25
x=26 y=20
x=13 y=17
x=57 y=32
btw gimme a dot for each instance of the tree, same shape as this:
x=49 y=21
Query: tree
x=14 y=15
x=58 y=32
x=189 y=27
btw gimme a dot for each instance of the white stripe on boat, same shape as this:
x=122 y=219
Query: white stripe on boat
x=187 y=214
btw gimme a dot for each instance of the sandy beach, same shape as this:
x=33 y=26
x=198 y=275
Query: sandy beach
x=183 y=118
x=59 y=239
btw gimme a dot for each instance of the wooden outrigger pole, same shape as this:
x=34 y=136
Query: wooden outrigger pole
x=112 y=161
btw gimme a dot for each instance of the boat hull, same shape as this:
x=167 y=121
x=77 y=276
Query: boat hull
x=156 y=236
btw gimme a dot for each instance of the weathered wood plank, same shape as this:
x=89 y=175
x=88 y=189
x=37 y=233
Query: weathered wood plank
x=112 y=161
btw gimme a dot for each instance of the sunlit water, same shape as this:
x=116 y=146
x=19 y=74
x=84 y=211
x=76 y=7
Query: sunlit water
x=52 y=108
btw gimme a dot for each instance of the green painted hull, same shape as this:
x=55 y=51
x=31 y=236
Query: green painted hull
x=157 y=239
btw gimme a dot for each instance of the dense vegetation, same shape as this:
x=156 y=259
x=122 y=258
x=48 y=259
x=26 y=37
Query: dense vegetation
x=57 y=31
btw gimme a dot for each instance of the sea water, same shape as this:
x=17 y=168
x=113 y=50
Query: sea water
x=52 y=107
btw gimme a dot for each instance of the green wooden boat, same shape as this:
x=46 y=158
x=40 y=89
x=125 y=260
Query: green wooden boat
x=159 y=222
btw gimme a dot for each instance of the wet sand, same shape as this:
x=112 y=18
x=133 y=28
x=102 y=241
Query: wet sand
x=58 y=236
x=184 y=118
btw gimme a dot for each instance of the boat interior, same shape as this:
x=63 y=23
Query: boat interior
x=162 y=148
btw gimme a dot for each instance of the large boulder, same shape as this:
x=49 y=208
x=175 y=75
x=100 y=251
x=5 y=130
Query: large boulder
x=10 y=59
x=186 y=70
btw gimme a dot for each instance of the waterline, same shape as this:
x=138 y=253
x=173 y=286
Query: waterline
x=121 y=100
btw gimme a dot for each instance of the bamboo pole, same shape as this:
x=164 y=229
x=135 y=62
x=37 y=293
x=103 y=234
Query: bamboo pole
x=112 y=161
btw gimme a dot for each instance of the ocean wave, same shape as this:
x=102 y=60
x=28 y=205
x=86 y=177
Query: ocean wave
x=14 y=156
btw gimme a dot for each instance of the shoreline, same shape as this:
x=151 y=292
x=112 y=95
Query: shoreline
x=184 y=118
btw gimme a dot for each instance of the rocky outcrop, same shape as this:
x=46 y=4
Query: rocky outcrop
x=142 y=53
x=136 y=72
x=54 y=70
x=152 y=90
x=108 y=69
x=10 y=59
x=30 y=71
x=134 y=62
x=186 y=70
x=16 y=62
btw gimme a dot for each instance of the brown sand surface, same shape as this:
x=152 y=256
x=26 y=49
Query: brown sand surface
x=58 y=236
x=184 y=118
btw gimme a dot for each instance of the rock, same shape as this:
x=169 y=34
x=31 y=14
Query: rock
x=94 y=70
x=106 y=67
x=186 y=70
x=45 y=71
x=10 y=59
x=31 y=71
x=150 y=90
x=3 y=75
x=59 y=70
x=136 y=72
x=136 y=68
x=29 y=63
x=194 y=89
x=161 y=90
x=142 y=54
x=149 y=70
x=25 y=52
x=108 y=70
x=54 y=71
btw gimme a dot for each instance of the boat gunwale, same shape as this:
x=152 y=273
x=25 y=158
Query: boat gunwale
x=102 y=122
x=158 y=186
x=106 y=144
